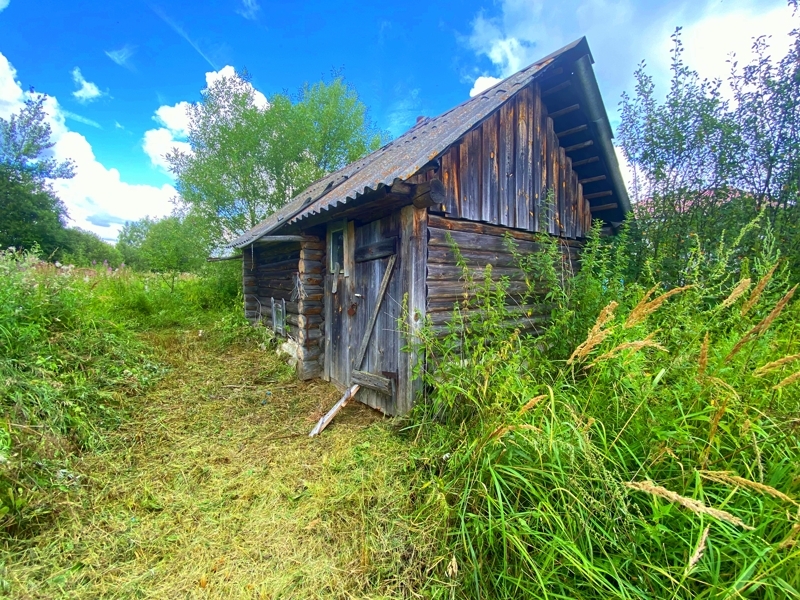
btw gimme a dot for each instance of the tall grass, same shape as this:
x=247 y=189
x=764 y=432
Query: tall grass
x=71 y=352
x=644 y=446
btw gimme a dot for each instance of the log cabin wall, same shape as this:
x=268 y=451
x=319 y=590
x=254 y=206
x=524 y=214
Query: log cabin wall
x=292 y=273
x=480 y=245
x=500 y=172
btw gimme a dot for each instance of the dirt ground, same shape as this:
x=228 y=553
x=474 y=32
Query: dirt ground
x=215 y=490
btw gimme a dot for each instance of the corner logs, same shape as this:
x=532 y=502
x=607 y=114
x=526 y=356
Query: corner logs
x=292 y=272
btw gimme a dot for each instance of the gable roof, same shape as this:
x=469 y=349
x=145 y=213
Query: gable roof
x=406 y=155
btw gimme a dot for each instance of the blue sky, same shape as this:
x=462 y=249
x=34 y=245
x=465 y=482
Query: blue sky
x=117 y=72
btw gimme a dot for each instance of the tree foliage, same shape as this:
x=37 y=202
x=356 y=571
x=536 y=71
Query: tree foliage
x=86 y=249
x=173 y=245
x=248 y=157
x=31 y=214
x=709 y=157
x=25 y=142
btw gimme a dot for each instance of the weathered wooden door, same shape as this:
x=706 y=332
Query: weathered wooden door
x=375 y=340
x=384 y=261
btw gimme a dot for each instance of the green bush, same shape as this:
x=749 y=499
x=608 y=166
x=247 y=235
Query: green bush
x=644 y=446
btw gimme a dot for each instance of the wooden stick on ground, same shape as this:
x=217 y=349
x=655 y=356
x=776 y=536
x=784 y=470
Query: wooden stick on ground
x=325 y=421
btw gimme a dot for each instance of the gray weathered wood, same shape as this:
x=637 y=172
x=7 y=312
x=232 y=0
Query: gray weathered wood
x=374 y=250
x=326 y=420
x=371 y=323
x=276 y=239
x=586 y=161
x=378 y=383
x=523 y=158
x=507 y=211
x=414 y=236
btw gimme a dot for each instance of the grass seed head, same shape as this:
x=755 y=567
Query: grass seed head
x=764 y=324
x=737 y=292
x=788 y=381
x=531 y=403
x=632 y=346
x=759 y=289
x=729 y=478
x=644 y=308
x=693 y=505
x=761 y=371
x=597 y=334
x=703 y=360
x=698 y=552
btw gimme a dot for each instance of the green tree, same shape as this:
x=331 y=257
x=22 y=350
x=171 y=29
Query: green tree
x=31 y=214
x=31 y=211
x=703 y=165
x=249 y=158
x=84 y=248
x=130 y=240
x=25 y=139
x=170 y=246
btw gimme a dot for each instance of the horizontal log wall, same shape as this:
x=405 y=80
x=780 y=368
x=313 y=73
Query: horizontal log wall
x=292 y=272
x=500 y=173
x=480 y=245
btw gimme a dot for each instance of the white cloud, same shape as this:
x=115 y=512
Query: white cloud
x=621 y=33
x=709 y=42
x=122 y=56
x=249 y=9
x=80 y=119
x=87 y=91
x=174 y=121
x=482 y=84
x=227 y=72
x=175 y=118
x=157 y=143
x=95 y=191
x=4 y=4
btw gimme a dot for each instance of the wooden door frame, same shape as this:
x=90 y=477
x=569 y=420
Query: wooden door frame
x=348 y=227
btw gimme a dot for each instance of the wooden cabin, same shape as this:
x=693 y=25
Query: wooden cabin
x=331 y=269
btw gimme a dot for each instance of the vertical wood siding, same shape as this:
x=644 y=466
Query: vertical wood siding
x=503 y=171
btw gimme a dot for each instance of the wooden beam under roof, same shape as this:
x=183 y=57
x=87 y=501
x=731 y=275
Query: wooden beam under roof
x=567 y=132
x=597 y=195
x=564 y=111
x=604 y=207
x=574 y=147
x=591 y=179
x=556 y=88
x=585 y=161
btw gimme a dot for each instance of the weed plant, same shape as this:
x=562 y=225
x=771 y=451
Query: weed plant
x=644 y=445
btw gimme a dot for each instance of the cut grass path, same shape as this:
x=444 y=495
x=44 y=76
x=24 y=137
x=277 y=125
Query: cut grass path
x=215 y=491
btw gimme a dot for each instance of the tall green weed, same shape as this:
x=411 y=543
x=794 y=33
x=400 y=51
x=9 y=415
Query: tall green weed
x=644 y=445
